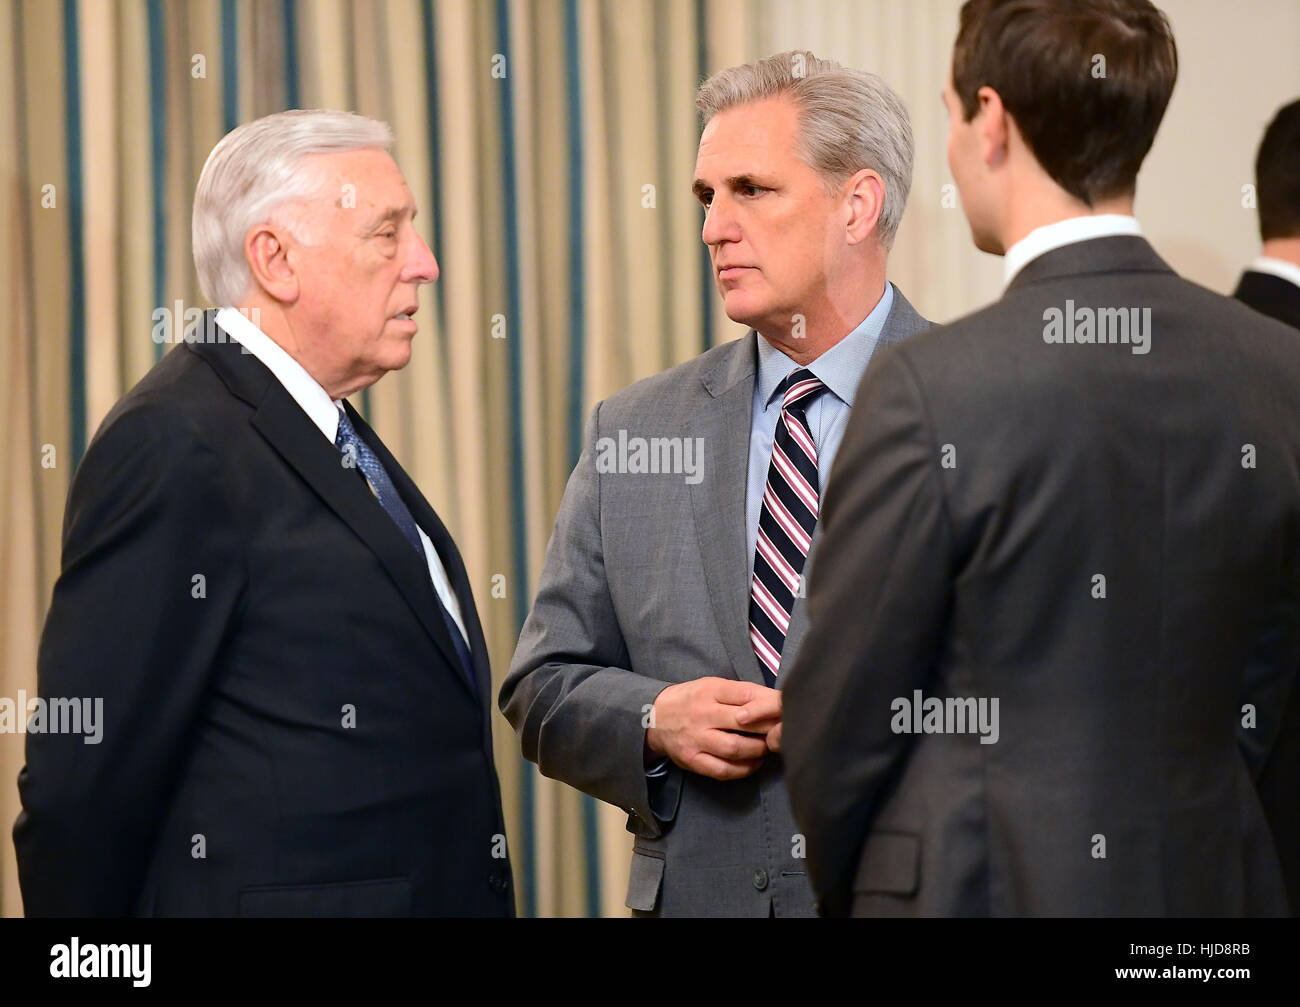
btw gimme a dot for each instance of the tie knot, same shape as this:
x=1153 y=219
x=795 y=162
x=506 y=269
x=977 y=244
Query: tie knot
x=345 y=434
x=800 y=388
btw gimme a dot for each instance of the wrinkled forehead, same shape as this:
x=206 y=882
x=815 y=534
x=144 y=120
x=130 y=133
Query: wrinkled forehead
x=360 y=179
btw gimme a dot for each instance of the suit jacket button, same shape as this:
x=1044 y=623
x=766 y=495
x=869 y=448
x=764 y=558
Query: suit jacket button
x=497 y=879
x=760 y=879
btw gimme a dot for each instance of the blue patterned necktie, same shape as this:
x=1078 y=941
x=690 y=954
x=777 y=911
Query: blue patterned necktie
x=357 y=454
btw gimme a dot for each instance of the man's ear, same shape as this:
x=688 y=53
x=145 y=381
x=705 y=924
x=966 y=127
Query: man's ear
x=866 y=198
x=266 y=250
x=994 y=124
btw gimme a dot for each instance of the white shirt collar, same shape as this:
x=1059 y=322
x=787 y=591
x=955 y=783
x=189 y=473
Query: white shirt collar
x=1277 y=267
x=316 y=403
x=309 y=395
x=1064 y=232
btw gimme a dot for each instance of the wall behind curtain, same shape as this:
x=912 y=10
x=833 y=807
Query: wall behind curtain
x=557 y=199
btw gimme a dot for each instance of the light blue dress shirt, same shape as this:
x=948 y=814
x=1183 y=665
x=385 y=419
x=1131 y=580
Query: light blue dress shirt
x=840 y=369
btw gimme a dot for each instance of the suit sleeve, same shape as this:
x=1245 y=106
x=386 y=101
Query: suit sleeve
x=1270 y=689
x=151 y=580
x=578 y=708
x=878 y=598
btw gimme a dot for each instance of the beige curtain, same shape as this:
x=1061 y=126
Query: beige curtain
x=549 y=144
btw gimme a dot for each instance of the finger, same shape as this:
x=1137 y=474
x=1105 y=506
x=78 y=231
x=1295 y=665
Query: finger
x=722 y=769
x=774 y=739
x=736 y=693
x=764 y=706
x=732 y=747
x=757 y=729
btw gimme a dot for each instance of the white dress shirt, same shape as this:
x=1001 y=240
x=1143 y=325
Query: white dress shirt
x=1276 y=267
x=324 y=412
x=1064 y=232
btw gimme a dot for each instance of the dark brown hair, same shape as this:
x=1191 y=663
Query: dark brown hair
x=1277 y=175
x=1089 y=132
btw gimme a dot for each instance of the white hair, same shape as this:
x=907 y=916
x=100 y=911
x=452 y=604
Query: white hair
x=252 y=174
x=848 y=120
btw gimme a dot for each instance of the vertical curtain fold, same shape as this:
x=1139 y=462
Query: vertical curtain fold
x=549 y=146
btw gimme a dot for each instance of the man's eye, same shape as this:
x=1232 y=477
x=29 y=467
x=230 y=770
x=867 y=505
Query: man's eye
x=750 y=190
x=706 y=198
x=388 y=234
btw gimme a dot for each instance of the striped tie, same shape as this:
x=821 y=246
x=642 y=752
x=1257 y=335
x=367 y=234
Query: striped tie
x=786 y=523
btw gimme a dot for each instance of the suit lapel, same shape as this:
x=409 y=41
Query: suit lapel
x=718 y=500
x=903 y=321
x=298 y=441
x=427 y=518
x=280 y=420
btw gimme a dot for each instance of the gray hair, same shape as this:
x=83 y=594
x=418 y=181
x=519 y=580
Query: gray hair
x=252 y=174
x=848 y=120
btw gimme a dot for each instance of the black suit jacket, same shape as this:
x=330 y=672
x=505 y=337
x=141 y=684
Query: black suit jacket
x=987 y=480
x=1279 y=784
x=286 y=731
x=1274 y=296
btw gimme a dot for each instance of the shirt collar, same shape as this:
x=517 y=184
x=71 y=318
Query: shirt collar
x=840 y=368
x=305 y=390
x=1064 y=232
x=1277 y=267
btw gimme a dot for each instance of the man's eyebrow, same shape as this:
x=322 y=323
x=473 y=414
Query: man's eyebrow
x=389 y=214
x=731 y=182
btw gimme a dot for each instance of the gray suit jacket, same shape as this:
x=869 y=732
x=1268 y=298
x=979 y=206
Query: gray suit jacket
x=987 y=483
x=645 y=585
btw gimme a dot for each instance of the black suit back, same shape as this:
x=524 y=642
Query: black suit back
x=1279 y=784
x=1271 y=295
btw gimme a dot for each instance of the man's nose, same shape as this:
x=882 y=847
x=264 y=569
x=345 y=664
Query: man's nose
x=720 y=222
x=421 y=266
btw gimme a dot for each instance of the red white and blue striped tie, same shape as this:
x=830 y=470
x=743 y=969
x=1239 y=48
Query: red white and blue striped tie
x=786 y=522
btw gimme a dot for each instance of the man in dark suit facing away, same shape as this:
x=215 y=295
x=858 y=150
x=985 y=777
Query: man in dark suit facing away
x=1271 y=283
x=294 y=681
x=1059 y=606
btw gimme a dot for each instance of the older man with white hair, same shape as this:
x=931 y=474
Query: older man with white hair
x=294 y=679
x=670 y=602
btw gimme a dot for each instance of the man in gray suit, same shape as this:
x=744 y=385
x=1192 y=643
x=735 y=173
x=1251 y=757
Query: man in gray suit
x=1058 y=614
x=669 y=602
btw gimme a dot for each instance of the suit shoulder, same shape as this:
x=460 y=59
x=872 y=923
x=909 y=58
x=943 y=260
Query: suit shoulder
x=1246 y=329
x=1021 y=309
x=939 y=341
x=666 y=393
x=180 y=398
x=1003 y=349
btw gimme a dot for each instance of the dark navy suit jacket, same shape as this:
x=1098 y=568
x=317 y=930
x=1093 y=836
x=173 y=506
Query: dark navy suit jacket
x=288 y=735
